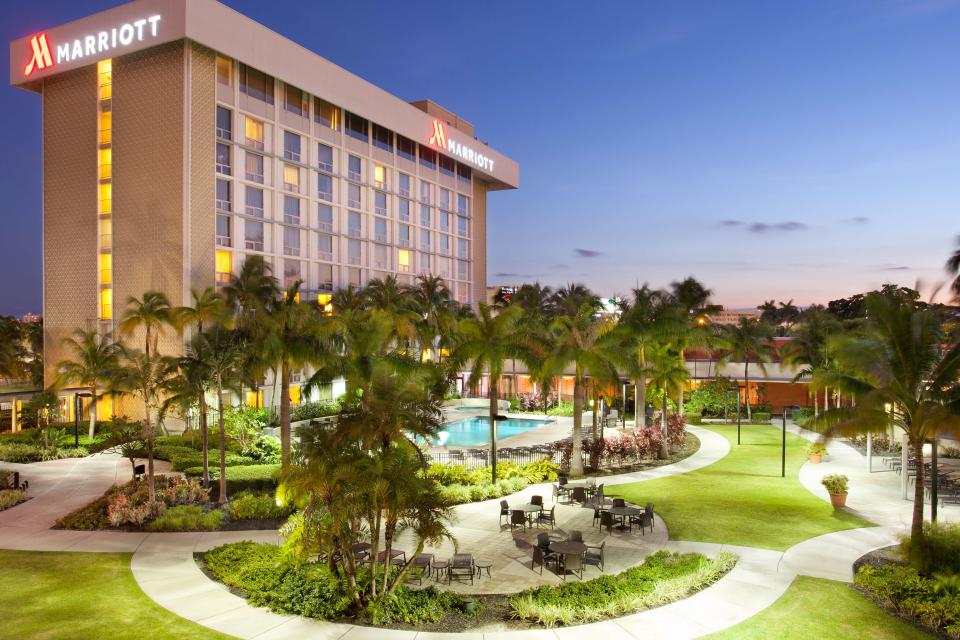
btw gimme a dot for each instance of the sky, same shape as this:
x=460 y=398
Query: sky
x=803 y=151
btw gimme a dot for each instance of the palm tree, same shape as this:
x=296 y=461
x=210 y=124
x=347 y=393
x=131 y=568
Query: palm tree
x=903 y=367
x=693 y=296
x=486 y=342
x=953 y=268
x=221 y=350
x=808 y=350
x=536 y=300
x=208 y=308
x=188 y=388
x=10 y=340
x=588 y=344
x=667 y=374
x=94 y=363
x=152 y=313
x=748 y=341
x=642 y=325
x=568 y=300
x=389 y=296
x=433 y=303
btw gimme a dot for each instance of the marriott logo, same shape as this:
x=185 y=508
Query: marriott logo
x=462 y=151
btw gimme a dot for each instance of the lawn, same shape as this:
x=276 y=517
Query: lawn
x=817 y=608
x=83 y=595
x=742 y=499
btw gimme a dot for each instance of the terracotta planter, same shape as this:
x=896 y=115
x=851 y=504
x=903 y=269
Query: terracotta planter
x=838 y=500
x=815 y=458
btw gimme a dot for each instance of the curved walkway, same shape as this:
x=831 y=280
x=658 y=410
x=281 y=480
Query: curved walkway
x=163 y=563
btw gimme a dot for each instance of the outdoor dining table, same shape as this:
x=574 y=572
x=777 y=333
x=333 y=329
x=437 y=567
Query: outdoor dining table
x=568 y=547
x=529 y=509
x=625 y=512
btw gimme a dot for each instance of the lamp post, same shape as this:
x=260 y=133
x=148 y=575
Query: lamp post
x=933 y=481
x=76 y=420
x=738 y=413
x=783 y=445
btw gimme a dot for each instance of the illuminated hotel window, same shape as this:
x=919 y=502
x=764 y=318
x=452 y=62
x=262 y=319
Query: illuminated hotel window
x=295 y=394
x=291 y=210
x=355 y=126
x=291 y=178
x=404 y=187
x=256 y=84
x=291 y=146
x=325 y=300
x=354 y=168
x=254 y=167
x=224 y=261
x=324 y=217
x=105 y=124
x=223 y=231
x=380 y=203
x=325 y=157
x=324 y=186
x=106 y=233
x=403 y=260
x=326 y=114
x=106 y=303
x=254 y=201
x=224 y=202
x=224 y=123
x=253 y=132
x=382 y=138
x=104 y=158
x=406 y=148
x=106 y=204
x=224 y=71
x=379 y=176
x=428 y=157
x=105 y=79
x=253 y=235
x=447 y=166
x=106 y=269
x=223 y=159
x=295 y=100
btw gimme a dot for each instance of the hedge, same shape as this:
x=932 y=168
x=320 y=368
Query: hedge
x=255 y=477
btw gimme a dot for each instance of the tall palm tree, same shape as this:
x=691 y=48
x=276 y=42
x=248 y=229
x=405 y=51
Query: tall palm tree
x=188 y=388
x=152 y=313
x=536 y=300
x=903 y=367
x=953 y=268
x=570 y=299
x=10 y=339
x=693 y=296
x=433 y=304
x=486 y=342
x=589 y=345
x=389 y=296
x=642 y=326
x=748 y=341
x=208 y=308
x=221 y=350
x=808 y=350
x=94 y=364
x=668 y=375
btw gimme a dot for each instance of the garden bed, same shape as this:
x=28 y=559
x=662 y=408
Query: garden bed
x=256 y=571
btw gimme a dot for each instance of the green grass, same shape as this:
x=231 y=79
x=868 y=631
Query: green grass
x=83 y=595
x=817 y=608
x=742 y=499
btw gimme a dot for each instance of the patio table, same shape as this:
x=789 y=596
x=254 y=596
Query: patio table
x=625 y=512
x=568 y=548
x=529 y=509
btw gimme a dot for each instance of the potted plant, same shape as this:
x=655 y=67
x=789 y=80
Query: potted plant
x=816 y=452
x=837 y=488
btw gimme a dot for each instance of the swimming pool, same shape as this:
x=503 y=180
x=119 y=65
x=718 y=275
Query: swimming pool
x=475 y=431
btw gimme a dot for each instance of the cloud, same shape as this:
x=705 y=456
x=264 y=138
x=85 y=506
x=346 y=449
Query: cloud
x=587 y=253
x=857 y=220
x=730 y=223
x=558 y=266
x=763 y=227
x=892 y=267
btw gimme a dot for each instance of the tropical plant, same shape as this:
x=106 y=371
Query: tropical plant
x=94 y=364
x=667 y=374
x=151 y=313
x=835 y=483
x=748 y=341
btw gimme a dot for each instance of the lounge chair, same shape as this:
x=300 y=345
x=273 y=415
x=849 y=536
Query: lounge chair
x=423 y=562
x=461 y=566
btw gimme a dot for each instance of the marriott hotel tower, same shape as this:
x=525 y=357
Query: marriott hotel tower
x=179 y=137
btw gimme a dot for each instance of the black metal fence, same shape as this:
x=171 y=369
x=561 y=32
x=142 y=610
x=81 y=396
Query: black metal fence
x=475 y=458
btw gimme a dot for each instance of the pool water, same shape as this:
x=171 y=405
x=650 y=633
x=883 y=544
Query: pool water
x=475 y=431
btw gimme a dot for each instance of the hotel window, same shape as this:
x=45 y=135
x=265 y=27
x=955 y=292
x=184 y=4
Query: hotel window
x=404 y=187
x=356 y=127
x=463 y=249
x=380 y=203
x=354 y=278
x=253 y=235
x=445 y=199
x=106 y=303
x=380 y=230
x=254 y=201
x=447 y=166
x=223 y=231
x=254 y=168
x=325 y=217
x=105 y=160
x=291 y=146
x=354 y=224
x=291 y=242
x=424 y=240
x=403 y=235
x=444 y=221
x=106 y=198
x=444 y=245
x=325 y=157
x=291 y=178
x=382 y=138
x=224 y=203
x=106 y=122
x=106 y=268
x=295 y=100
x=463 y=226
x=425 y=262
x=463 y=205
x=223 y=261
x=223 y=158
x=325 y=281
x=443 y=267
x=404 y=214
x=428 y=157
x=291 y=273
x=256 y=84
x=403 y=260
x=424 y=215
x=106 y=234
x=224 y=123
x=463 y=173
x=291 y=210
x=225 y=71
x=253 y=133
x=324 y=186
x=326 y=114
x=379 y=176
x=354 y=168
x=353 y=251
x=406 y=148
x=424 y=192
x=462 y=270
x=325 y=247
x=353 y=195
x=380 y=256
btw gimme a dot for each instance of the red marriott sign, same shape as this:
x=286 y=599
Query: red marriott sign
x=41 y=54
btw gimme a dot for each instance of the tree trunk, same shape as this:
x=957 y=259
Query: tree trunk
x=593 y=427
x=494 y=384
x=641 y=409
x=746 y=385
x=664 y=442
x=204 y=440
x=826 y=398
x=223 y=445
x=151 y=485
x=93 y=411
x=285 y=414
x=576 y=453
x=916 y=526
x=816 y=404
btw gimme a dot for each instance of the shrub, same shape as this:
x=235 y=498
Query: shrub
x=694 y=420
x=130 y=504
x=921 y=600
x=255 y=477
x=712 y=399
x=816 y=449
x=415 y=607
x=455 y=494
x=188 y=518
x=264 y=449
x=663 y=577
x=835 y=483
x=90 y=517
x=312 y=410
x=21 y=452
x=938 y=549
x=182 y=458
x=11 y=498
x=256 y=506
x=760 y=417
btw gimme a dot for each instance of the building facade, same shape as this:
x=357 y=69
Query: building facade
x=180 y=137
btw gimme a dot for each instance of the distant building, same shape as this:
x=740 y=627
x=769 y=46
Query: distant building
x=733 y=316
x=31 y=317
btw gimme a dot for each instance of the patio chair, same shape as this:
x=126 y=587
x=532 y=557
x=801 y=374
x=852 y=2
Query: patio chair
x=548 y=516
x=539 y=558
x=423 y=562
x=596 y=515
x=543 y=541
x=649 y=511
x=579 y=494
x=504 y=510
x=594 y=555
x=556 y=493
x=576 y=536
x=537 y=500
x=642 y=519
x=518 y=517
x=607 y=520
x=619 y=502
x=461 y=566
x=572 y=562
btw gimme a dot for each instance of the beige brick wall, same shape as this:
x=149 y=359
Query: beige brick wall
x=478 y=238
x=69 y=209
x=202 y=219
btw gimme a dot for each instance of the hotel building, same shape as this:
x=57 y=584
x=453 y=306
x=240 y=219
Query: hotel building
x=180 y=137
